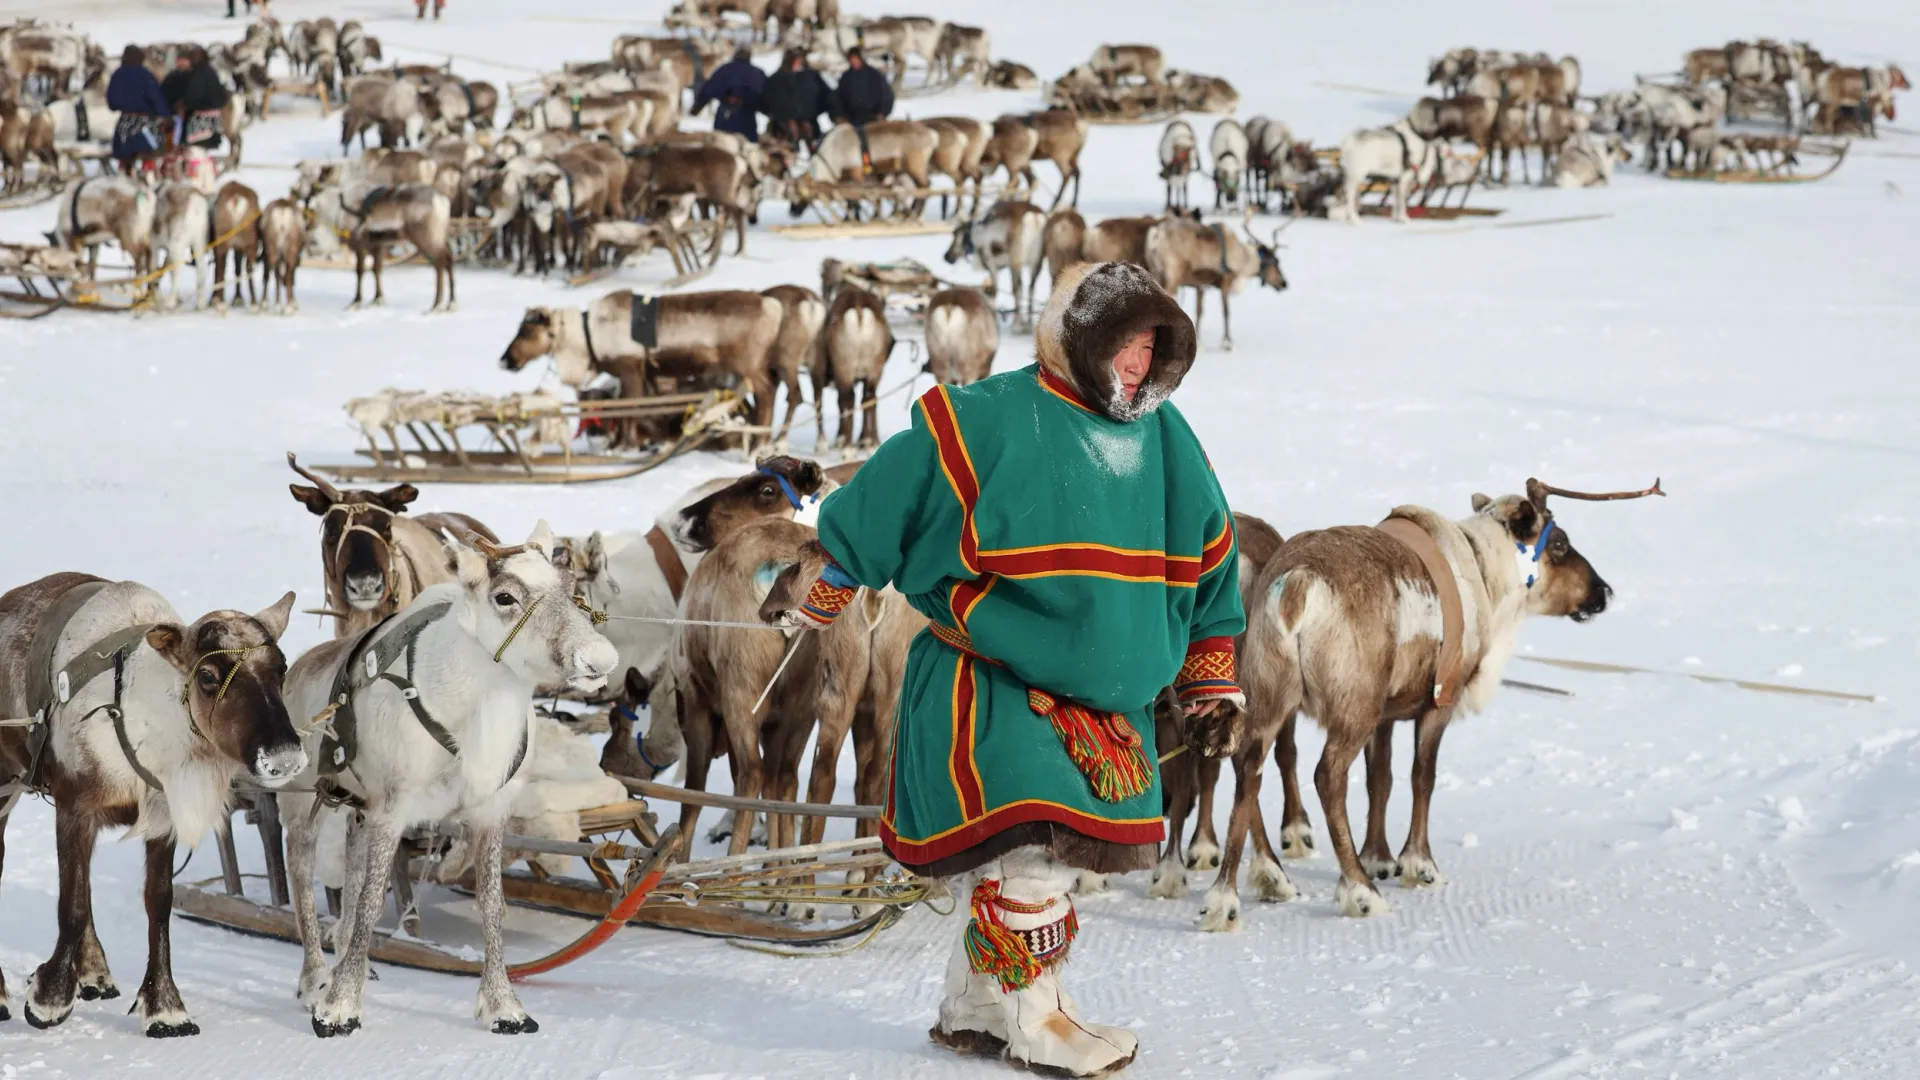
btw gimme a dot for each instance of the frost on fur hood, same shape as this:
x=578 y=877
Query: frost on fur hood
x=1094 y=309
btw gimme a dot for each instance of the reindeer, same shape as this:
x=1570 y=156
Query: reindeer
x=1203 y=93
x=473 y=651
x=1010 y=146
x=1008 y=238
x=716 y=177
x=183 y=228
x=1360 y=628
x=282 y=232
x=1228 y=147
x=705 y=336
x=1462 y=116
x=388 y=105
x=962 y=143
x=1269 y=144
x=1179 y=159
x=963 y=50
x=1060 y=135
x=236 y=230
x=1115 y=64
x=374 y=559
x=803 y=313
x=94 y=210
x=1068 y=240
x=147 y=721
x=720 y=670
x=1190 y=779
x=851 y=352
x=1588 y=159
x=963 y=334
x=894 y=148
x=1183 y=252
x=902 y=36
x=1007 y=75
x=372 y=217
x=1397 y=154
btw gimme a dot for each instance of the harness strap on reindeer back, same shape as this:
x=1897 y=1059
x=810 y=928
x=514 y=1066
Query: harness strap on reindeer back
x=1446 y=669
x=586 y=335
x=668 y=558
x=73 y=206
x=366 y=664
x=48 y=688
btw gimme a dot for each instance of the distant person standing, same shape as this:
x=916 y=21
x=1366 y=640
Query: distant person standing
x=135 y=94
x=737 y=85
x=249 y=9
x=420 y=9
x=794 y=100
x=196 y=95
x=864 y=94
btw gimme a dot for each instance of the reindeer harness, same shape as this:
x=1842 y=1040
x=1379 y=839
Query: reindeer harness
x=1453 y=624
x=353 y=512
x=367 y=663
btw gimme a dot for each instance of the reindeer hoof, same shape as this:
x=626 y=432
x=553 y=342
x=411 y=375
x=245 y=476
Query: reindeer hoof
x=1203 y=855
x=103 y=990
x=1359 y=900
x=1377 y=868
x=1221 y=912
x=1169 y=880
x=327 y=1030
x=1417 y=871
x=526 y=1025
x=171 y=1029
x=45 y=1022
x=355 y=306
x=1272 y=882
x=1296 y=841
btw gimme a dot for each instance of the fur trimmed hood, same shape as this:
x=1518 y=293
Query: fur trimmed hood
x=1094 y=309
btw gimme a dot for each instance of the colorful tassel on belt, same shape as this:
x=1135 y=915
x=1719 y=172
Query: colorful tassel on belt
x=1102 y=745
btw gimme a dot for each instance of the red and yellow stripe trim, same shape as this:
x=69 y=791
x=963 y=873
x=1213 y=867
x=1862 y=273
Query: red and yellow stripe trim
x=1094 y=560
x=957 y=464
x=1063 y=390
x=1208 y=671
x=1218 y=550
x=977 y=830
x=962 y=769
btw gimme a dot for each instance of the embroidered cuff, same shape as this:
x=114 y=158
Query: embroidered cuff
x=829 y=596
x=1208 y=671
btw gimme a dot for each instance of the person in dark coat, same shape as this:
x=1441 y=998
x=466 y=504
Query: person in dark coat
x=794 y=99
x=864 y=95
x=737 y=86
x=195 y=92
x=135 y=94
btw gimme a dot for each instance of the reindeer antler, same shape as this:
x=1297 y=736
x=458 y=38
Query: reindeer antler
x=326 y=489
x=1538 y=492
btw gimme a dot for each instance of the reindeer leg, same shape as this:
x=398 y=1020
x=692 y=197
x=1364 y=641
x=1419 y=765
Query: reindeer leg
x=1221 y=911
x=359 y=269
x=300 y=823
x=96 y=981
x=1226 y=320
x=1416 y=858
x=159 y=1001
x=1170 y=876
x=5 y=1013
x=1376 y=858
x=696 y=729
x=497 y=1006
x=338 y=1012
x=1296 y=829
x=1345 y=736
x=1204 y=852
x=843 y=397
x=749 y=776
x=379 y=284
x=50 y=991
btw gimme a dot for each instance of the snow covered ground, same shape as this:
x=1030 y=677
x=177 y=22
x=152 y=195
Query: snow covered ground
x=1655 y=877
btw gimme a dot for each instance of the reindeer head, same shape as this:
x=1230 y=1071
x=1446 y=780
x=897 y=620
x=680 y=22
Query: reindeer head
x=962 y=245
x=533 y=340
x=780 y=487
x=1558 y=580
x=1269 y=272
x=234 y=670
x=522 y=609
x=356 y=538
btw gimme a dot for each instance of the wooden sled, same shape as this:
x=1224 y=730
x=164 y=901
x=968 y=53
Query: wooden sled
x=848 y=230
x=1778 y=175
x=294 y=88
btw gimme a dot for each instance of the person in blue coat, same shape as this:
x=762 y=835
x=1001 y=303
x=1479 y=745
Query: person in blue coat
x=737 y=86
x=135 y=94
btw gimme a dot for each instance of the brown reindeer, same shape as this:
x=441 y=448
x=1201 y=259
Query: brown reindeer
x=374 y=558
x=721 y=671
x=1007 y=75
x=702 y=337
x=963 y=334
x=1010 y=146
x=283 y=236
x=147 y=721
x=803 y=313
x=236 y=230
x=851 y=352
x=1183 y=252
x=1115 y=64
x=963 y=140
x=716 y=177
x=1068 y=240
x=1463 y=116
x=1060 y=135
x=370 y=217
x=1360 y=628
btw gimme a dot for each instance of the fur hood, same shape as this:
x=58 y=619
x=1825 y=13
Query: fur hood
x=1094 y=309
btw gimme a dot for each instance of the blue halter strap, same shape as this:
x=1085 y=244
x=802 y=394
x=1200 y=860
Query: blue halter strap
x=787 y=487
x=1530 y=553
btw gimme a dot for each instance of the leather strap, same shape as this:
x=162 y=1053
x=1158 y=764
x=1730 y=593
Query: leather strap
x=668 y=557
x=1453 y=623
x=44 y=682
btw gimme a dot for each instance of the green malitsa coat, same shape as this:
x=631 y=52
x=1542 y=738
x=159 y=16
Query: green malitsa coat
x=1076 y=557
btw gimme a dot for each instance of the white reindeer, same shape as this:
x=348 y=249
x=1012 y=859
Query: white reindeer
x=1394 y=154
x=1179 y=157
x=1229 y=148
x=472 y=652
x=1010 y=237
x=183 y=222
